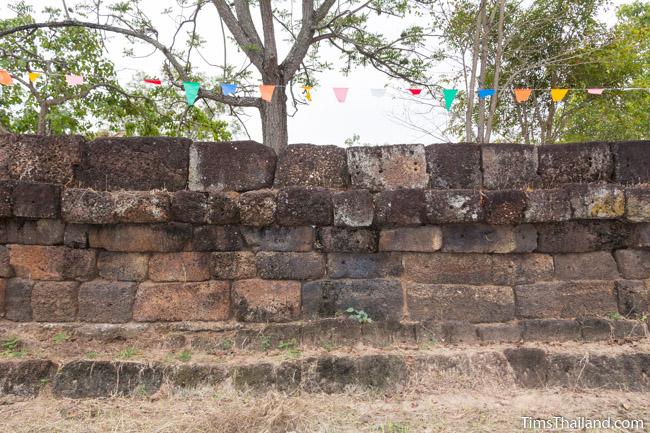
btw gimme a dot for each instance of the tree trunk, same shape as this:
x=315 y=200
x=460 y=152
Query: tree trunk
x=42 y=120
x=469 y=134
x=274 y=120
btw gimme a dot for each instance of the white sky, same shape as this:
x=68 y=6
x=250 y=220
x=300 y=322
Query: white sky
x=325 y=120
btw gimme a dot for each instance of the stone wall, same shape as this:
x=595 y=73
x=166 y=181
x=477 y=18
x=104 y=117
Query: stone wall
x=163 y=229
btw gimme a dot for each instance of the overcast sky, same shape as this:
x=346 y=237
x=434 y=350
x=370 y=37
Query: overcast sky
x=324 y=120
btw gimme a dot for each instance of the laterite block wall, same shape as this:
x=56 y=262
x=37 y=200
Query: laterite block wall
x=163 y=229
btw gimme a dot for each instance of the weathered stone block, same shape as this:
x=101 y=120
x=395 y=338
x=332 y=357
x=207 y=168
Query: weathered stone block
x=639 y=236
x=141 y=206
x=5 y=198
x=18 y=300
x=457 y=206
x=547 y=205
x=79 y=265
x=189 y=206
x=75 y=236
x=400 y=207
x=138 y=163
x=508 y=166
x=570 y=299
x=290 y=266
x=87 y=206
x=346 y=240
x=483 y=238
x=234 y=265
x=454 y=165
x=388 y=167
x=170 y=302
x=266 y=301
x=37 y=262
x=598 y=265
x=5 y=268
x=223 y=208
x=106 y=301
x=504 y=207
x=3 y=284
x=141 y=237
x=582 y=236
x=55 y=301
x=35 y=232
x=632 y=162
x=231 y=166
x=122 y=266
x=280 y=238
x=257 y=208
x=50 y=159
x=511 y=269
x=7 y=143
x=416 y=239
x=304 y=206
x=381 y=299
x=633 y=264
x=500 y=332
x=36 y=200
x=551 y=330
x=188 y=266
x=574 y=163
x=353 y=208
x=637 y=204
x=312 y=165
x=459 y=302
x=216 y=238
x=596 y=201
x=633 y=298
x=364 y=265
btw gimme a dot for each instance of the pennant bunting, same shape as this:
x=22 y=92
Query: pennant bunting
x=74 y=80
x=5 y=78
x=484 y=93
x=595 y=91
x=558 y=94
x=522 y=95
x=378 y=93
x=33 y=76
x=307 y=90
x=228 y=89
x=191 y=91
x=415 y=92
x=153 y=81
x=266 y=90
x=341 y=93
x=450 y=95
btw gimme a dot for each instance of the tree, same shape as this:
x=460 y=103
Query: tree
x=343 y=24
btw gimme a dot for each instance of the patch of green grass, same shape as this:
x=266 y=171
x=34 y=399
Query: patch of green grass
x=61 y=337
x=128 y=353
x=226 y=344
x=328 y=345
x=265 y=343
x=184 y=356
x=12 y=348
x=393 y=427
x=359 y=316
x=615 y=315
x=290 y=348
x=91 y=355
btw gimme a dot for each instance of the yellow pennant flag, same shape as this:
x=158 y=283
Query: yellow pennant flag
x=307 y=92
x=33 y=76
x=558 y=94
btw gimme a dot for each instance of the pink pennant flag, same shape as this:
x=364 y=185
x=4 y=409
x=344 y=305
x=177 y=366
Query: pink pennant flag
x=341 y=93
x=74 y=80
x=415 y=92
x=266 y=92
x=595 y=91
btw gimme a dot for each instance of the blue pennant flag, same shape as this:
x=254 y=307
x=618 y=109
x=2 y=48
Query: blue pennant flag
x=484 y=93
x=228 y=89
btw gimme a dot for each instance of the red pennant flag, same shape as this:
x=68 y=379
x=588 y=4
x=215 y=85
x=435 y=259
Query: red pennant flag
x=156 y=82
x=415 y=92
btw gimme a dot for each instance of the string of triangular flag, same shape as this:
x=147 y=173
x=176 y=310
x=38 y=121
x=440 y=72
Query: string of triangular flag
x=266 y=91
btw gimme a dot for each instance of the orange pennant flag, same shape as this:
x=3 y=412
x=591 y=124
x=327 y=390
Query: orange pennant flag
x=558 y=94
x=522 y=95
x=5 y=78
x=267 y=91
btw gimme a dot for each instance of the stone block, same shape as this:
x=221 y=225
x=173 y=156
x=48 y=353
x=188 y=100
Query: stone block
x=37 y=262
x=346 y=240
x=217 y=238
x=637 y=204
x=565 y=299
x=141 y=206
x=382 y=299
x=35 y=232
x=189 y=206
x=266 y=301
x=135 y=163
x=173 y=302
x=500 y=332
x=633 y=264
x=504 y=207
x=106 y=301
x=597 y=265
x=50 y=159
x=574 y=163
x=596 y=201
x=547 y=205
x=7 y=143
x=36 y=200
x=257 y=208
x=475 y=304
x=290 y=266
x=223 y=208
x=76 y=236
x=231 y=166
x=122 y=266
x=631 y=162
x=55 y=301
x=3 y=284
x=483 y=238
x=187 y=266
x=86 y=206
x=80 y=265
x=453 y=206
x=18 y=300
x=141 y=237
x=304 y=206
x=364 y=265
x=280 y=238
x=633 y=297
x=353 y=208
x=454 y=165
x=402 y=207
x=509 y=166
x=6 y=270
x=5 y=198
x=639 y=236
x=417 y=239
x=551 y=330
x=233 y=265
x=312 y=165
x=388 y=167
x=582 y=236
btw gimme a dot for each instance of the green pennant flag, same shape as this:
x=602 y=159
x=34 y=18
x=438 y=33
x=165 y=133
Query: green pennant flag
x=191 y=91
x=450 y=95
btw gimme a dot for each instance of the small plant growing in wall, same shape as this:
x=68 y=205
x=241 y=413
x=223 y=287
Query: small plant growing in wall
x=359 y=316
x=12 y=348
x=290 y=347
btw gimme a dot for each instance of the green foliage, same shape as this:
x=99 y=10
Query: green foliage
x=291 y=348
x=12 y=348
x=127 y=353
x=359 y=316
x=614 y=315
x=226 y=344
x=184 y=356
x=61 y=337
x=265 y=343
